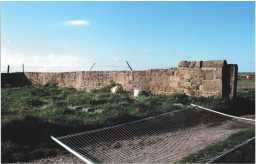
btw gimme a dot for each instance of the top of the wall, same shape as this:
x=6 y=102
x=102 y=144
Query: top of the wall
x=199 y=64
x=182 y=64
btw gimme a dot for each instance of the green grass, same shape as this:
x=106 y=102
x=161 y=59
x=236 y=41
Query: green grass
x=244 y=85
x=244 y=154
x=218 y=148
x=246 y=89
x=53 y=103
x=31 y=114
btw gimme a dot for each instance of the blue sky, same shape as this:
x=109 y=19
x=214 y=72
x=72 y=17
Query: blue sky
x=67 y=36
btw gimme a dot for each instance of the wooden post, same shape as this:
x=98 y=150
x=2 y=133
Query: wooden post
x=8 y=69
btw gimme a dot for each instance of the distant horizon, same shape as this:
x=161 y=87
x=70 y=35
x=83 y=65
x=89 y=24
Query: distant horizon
x=63 y=36
x=45 y=71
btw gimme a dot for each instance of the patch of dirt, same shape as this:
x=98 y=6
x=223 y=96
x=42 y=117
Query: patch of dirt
x=155 y=141
x=67 y=159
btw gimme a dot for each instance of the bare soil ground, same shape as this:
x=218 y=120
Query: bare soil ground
x=163 y=140
x=67 y=159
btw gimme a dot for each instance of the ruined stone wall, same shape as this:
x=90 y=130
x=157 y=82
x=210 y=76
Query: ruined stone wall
x=198 y=78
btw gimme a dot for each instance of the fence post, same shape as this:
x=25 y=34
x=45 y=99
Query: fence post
x=129 y=65
x=92 y=66
x=23 y=68
x=131 y=70
x=8 y=69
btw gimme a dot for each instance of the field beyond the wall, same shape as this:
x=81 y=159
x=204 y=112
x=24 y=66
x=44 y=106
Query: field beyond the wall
x=31 y=114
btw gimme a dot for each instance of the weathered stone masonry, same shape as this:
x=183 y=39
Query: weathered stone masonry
x=196 y=78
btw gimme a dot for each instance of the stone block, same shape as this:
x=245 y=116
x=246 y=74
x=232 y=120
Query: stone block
x=214 y=63
x=183 y=64
x=212 y=85
x=190 y=64
x=208 y=75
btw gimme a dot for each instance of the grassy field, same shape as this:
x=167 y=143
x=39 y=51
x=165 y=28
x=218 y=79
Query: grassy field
x=218 y=148
x=246 y=88
x=31 y=114
x=246 y=85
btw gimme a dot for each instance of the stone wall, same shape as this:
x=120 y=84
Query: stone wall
x=196 y=78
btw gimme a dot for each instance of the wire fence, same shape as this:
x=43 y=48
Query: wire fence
x=12 y=69
x=74 y=68
x=165 y=138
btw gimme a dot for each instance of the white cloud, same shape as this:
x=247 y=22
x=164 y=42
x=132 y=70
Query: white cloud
x=78 y=22
x=46 y=62
x=43 y=60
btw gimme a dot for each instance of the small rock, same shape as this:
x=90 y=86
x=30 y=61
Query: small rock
x=98 y=111
x=116 y=89
x=178 y=104
x=138 y=92
x=86 y=109
x=74 y=107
